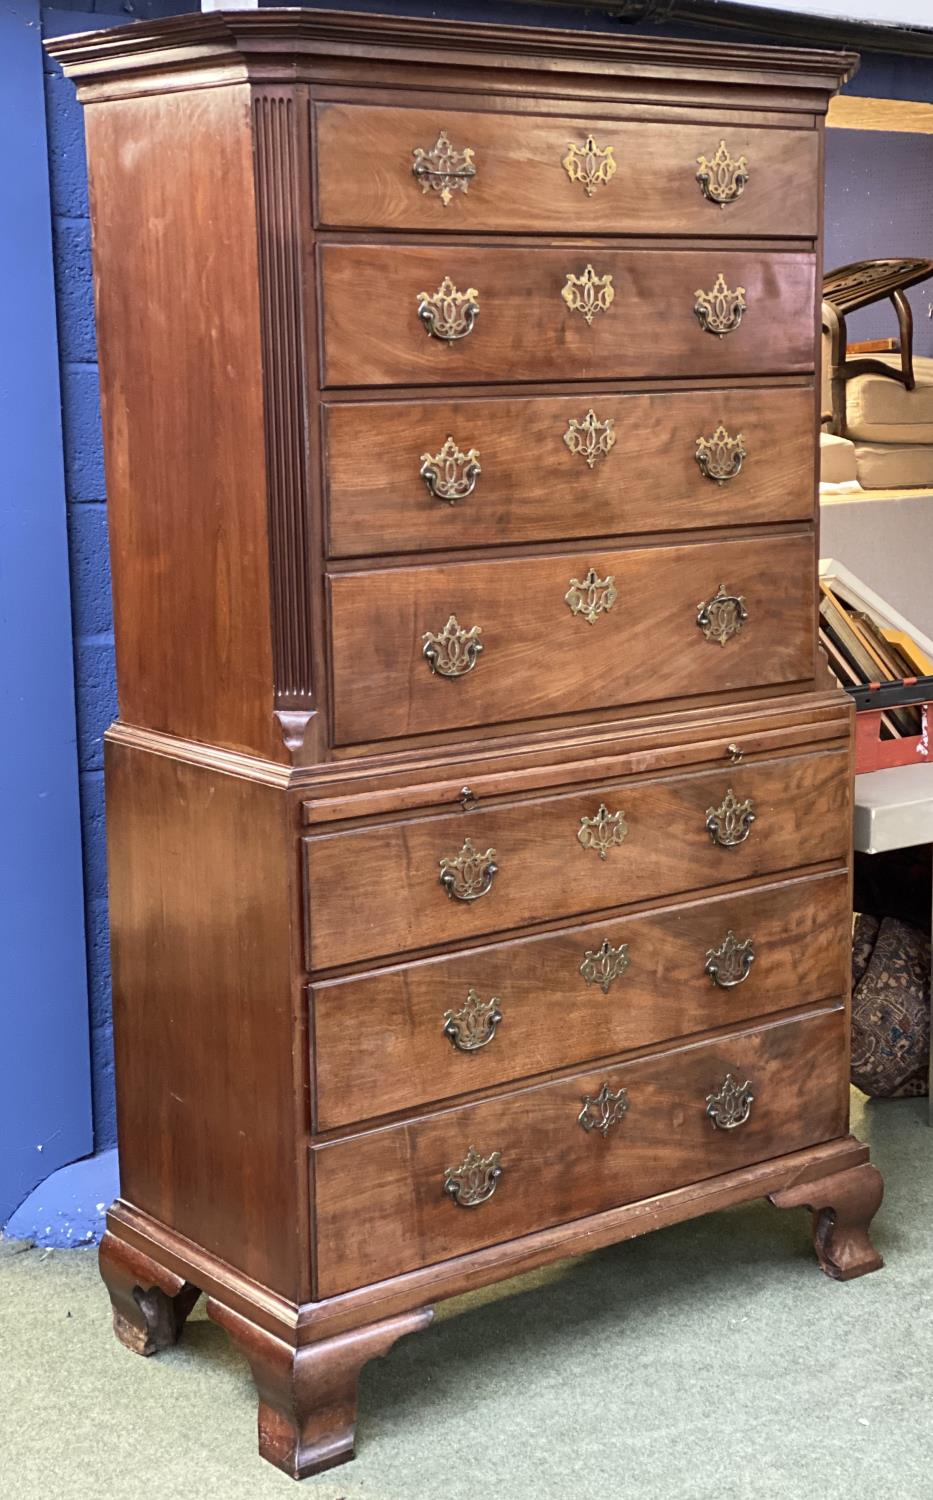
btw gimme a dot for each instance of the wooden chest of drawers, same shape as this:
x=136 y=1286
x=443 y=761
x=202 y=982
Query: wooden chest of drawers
x=479 y=804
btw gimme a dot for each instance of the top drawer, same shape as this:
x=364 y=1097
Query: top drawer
x=443 y=169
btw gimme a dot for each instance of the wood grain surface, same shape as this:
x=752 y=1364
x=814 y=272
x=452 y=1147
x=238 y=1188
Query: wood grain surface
x=388 y=875
x=365 y=158
x=552 y=1169
x=373 y=335
x=378 y=1039
x=540 y=659
x=533 y=488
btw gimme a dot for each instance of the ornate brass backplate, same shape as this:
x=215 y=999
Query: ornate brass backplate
x=591 y=596
x=452 y=652
x=590 y=438
x=443 y=169
x=588 y=294
x=722 y=617
x=450 y=474
x=468 y=875
x=603 y=1110
x=591 y=165
x=720 y=310
x=720 y=457
x=723 y=177
x=729 y=964
x=448 y=314
x=475 y=1180
x=605 y=965
x=730 y=823
x=603 y=832
x=731 y=1105
x=474 y=1025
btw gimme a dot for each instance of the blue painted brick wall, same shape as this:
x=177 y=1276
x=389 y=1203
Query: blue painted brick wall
x=87 y=529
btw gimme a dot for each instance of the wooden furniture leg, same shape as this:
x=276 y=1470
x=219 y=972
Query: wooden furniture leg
x=308 y=1396
x=843 y=1207
x=150 y=1304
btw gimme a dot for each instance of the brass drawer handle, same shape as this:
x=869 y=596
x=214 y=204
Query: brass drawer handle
x=475 y=1180
x=468 y=875
x=722 y=617
x=720 y=311
x=590 y=438
x=603 y=832
x=591 y=596
x=452 y=652
x=605 y=965
x=603 y=1110
x=731 y=1105
x=722 y=179
x=588 y=294
x=474 y=1025
x=450 y=474
x=443 y=169
x=729 y=964
x=591 y=165
x=720 y=457
x=730 y=823
x=448 y=314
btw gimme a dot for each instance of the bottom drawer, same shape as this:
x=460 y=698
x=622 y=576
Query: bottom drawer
x=387 y=1201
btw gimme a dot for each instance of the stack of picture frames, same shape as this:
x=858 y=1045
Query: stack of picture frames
x=884 y=664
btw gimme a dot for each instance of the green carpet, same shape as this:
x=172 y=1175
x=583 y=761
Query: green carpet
x=708 y=1360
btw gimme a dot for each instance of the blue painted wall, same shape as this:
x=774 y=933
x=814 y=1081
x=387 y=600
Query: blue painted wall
x=45 y=1117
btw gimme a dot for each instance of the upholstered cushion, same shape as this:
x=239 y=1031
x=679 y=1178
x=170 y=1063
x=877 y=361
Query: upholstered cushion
x=890 y=1007
x=837 y=460
x=879 y=410
x=893 y=466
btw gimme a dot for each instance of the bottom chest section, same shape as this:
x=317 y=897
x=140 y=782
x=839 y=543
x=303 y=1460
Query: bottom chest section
x=426 y=1190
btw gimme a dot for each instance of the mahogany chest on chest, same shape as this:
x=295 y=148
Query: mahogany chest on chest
x=479 y=804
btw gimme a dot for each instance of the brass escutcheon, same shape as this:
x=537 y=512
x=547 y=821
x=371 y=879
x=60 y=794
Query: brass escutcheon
x=475 y=1180
x=450 y=474
x=468 y=875
x=720 y=311
x=588 y=294
x=443 y=169
x=448 y=314
x=603 y=1110
x=474 y=1025
x=730 y=823
x=729 y=964
x=591 y=165
x=590 y=438
x=731 y=1105
x=722 y=617
x=452 y=652
x=591 y=596
x=722 y=178
x=605 y=965
x=720 y=457
x=604 y=832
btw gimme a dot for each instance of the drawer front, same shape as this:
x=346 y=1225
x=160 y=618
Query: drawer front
x=552 y=1169
x=568 y=633
x=400 y=1038
x=386 y=168
x=535 y=322
x=652 y=841
x=550 y=468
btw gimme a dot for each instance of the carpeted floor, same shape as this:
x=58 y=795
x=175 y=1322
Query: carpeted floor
x=708 y=1360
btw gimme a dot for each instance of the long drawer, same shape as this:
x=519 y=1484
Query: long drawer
x=425 y=169
x=650 y=1130
x=442 y=880
x=399 y=1038
x=566 y=633
x=580 y=312
x=412 y=476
